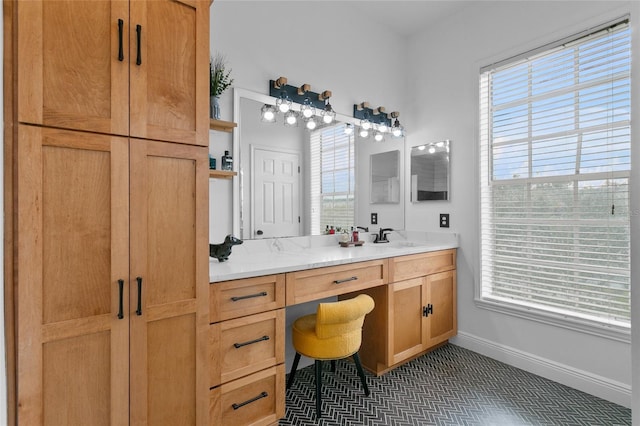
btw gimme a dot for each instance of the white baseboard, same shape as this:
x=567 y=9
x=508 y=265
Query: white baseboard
x=611 y=390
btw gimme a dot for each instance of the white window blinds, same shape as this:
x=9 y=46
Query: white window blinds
x=555 y=162
x=332 y=179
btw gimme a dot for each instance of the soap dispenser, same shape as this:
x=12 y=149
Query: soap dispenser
x=227 y=161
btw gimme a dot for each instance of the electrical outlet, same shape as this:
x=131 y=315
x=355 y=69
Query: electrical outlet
x=444 y=220
x=374 y=218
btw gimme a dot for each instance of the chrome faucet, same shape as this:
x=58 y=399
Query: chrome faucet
x=381 y=236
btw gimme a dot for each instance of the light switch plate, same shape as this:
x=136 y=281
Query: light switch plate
x=444 y=220
x=374 y=218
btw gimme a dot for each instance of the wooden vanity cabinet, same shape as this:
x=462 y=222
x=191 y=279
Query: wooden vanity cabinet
x=246 y=337
x=412 y=315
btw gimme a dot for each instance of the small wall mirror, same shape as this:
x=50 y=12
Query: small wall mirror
x=430 y=171
x=385 y=182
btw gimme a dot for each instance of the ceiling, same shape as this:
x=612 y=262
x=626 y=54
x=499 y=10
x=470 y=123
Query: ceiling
x=407 y=17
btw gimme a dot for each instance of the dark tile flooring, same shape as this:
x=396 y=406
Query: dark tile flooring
x=449 y=386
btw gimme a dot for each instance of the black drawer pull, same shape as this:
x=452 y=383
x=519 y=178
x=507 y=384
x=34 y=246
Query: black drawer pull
x=251 y=342
x=345 y=280
x=249 y=401
x=120 y=291
x=248 y=296
x=120 y=49
x=139 y=40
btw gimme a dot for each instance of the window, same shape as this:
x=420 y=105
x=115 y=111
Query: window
x=332 y=179
x=555 y=167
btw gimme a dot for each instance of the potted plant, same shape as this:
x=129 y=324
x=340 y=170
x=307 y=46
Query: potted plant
x=220 y=79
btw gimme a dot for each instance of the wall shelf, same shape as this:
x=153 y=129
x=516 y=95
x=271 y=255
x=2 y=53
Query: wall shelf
x=222 y=126
x=222 y=174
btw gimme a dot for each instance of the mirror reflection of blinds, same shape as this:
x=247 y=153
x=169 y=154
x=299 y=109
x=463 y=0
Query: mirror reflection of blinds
x=332 y=179
x=555 y=167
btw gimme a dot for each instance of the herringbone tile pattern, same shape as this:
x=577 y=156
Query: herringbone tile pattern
x=449 y=386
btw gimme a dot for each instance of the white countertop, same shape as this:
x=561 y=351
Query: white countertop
x=277 y=255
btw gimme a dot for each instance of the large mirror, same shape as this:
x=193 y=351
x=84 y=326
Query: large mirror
x=385 y=177
x=430 y=171
x=296 y=182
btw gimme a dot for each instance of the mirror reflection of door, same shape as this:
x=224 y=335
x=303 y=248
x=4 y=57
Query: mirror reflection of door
x=276 y=193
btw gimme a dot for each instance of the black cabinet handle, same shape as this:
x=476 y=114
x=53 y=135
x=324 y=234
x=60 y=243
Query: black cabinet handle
x=249 y=401
x=120 y=48
x=250 y=342
x=139 y=310
x=249 y=296
x=345 y=280
x=139 y=40
x=121 y=291
x=426 y=310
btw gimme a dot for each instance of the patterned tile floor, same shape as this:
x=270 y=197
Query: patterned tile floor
x=449 y=386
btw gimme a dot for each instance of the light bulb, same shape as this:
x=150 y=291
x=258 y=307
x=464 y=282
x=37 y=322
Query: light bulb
x=383 y=128
x=307 y=110
x=348 y=130
x=364 y=133
x=378 y=137
x=268 y=113
x=290 y=118
x=365 y=124
x=440 y=144
x=432 y=149
x=283 y=105
x=327 y=118
x=422 y=147
x=311 y=124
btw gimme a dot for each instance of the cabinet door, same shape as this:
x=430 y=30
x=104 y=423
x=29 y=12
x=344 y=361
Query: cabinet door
x=169 y=255
x=169 y=48
x=441 y=295
x=69 y=72
x=72 y=215
x=407 y=330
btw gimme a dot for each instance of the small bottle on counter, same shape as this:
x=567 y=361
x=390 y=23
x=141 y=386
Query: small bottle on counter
x=227 y=161
x=332 y=231
x=354 y=234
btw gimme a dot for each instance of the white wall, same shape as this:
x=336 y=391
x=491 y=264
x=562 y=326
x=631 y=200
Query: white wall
x=263 y=40
x=444 y=66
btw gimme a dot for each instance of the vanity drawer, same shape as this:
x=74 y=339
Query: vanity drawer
x=254 y=400
x=237 y=298
x=314 y=284
x=419 y=265
x=245 y=345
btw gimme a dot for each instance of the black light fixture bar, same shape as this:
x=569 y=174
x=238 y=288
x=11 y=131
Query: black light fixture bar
x=377 y=116
x=296 y=94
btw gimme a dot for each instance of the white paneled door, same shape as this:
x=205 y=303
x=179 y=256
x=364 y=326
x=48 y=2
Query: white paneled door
x=276 y=193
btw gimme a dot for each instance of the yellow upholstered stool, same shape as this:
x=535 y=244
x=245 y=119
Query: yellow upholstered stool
x=334 y=332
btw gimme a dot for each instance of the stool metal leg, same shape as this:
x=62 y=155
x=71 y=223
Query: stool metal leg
x=356 y=359
x=318 y=365
x=294 y=368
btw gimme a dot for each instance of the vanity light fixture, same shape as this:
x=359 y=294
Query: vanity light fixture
x=268 y=113
x=432 y=149
x=372 y=119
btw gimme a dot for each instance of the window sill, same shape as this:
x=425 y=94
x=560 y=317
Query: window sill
x=612 y=332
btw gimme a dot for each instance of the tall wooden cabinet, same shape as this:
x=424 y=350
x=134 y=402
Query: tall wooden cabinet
x=108 y=211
